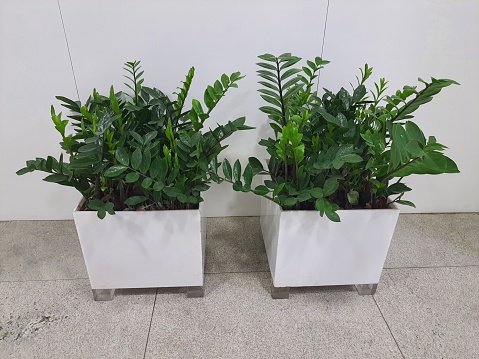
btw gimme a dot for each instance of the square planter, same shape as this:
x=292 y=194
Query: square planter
x=142 y=249
x=305 y=249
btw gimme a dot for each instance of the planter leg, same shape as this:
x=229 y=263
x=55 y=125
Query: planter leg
x=366 y=289
x=279 y=292
x=100 y=295
x=195 y=292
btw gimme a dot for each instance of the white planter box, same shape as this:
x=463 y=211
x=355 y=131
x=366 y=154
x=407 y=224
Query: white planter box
x=305 y=249
x=143 y=249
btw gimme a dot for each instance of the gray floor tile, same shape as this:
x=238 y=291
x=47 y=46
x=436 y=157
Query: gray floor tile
x=59 y=319
x=235 y=244
x=432 y=312
x=40 y=250
x=238 y=319
x=424 y=240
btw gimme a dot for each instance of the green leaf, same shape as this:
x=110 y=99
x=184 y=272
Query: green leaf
x=330 y=118
x=261 y=190
x=316 y=192
x=95 y=204
x=24 y=170
x=398 y=188
x=150 y=136
x=269 y=85
x=197 y=107
x=110 y=208
x=256 y=165
x=290 y=63
x=289 y=73
x=351 y=158
x=333 y=216
x=290 y=201
x=406 y=203
x=267 y=57
x=415 y=133
x=56 y=178
x=237 y=170
x=270 y=184
x=227 y=170
x=115 y=171
x=147 y=182
x=137 y=137
x=132 y=177
x=158 y=186
x=322 y=205
x=171 y=191
x=122 y=156
x=145 y=162
x=353 y=197
x=114 y=102
x=218 y=87
x=101 y=213
x=182 y=198
x=133 y=201
x=266 y=66
x=414 y=149
x=431 y=163
x=330 y=186
x=155 y=167
x=136 y=159
x=278 y=189
x=237 y=186
x=248 y=175
x=304 y=196
x=399 y=154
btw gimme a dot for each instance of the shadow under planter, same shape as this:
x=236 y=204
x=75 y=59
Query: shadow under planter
x=143 y=249
x=307 y=250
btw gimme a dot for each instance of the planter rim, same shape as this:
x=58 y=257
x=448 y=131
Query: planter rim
x=82 y=201
x=393 y=207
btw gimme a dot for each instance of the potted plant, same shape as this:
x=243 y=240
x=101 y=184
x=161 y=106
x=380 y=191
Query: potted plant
x=147 y=159
x=344 y=155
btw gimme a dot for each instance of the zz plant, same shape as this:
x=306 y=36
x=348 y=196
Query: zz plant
x=140 y=150
x=350 y=149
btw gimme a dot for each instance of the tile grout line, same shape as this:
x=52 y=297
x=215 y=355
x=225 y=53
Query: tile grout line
x=433 y=267
x=151 y=321
x=41 y=280
x=387 y=324
x=237 y=272
x=68 y=48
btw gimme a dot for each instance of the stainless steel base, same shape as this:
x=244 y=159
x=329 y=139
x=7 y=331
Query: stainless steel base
x=100 y=295
x=366 y=289
x=279 y=292
x=195 y=292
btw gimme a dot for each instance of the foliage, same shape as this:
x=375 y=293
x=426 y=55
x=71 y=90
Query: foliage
x=140 y=150
x=343 y=150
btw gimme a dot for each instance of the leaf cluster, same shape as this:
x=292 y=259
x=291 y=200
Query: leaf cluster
x=140 y=150
x=349 y=149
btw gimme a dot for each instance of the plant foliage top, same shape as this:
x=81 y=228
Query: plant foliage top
x=140 y=150
x=349 y=149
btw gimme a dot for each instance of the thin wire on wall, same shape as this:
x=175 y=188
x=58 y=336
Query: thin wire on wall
x=322 y=45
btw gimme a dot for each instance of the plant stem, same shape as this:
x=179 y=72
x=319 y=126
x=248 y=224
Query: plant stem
x=386 y=176
x=122 y=192
x=283 y=111
x=227 y=180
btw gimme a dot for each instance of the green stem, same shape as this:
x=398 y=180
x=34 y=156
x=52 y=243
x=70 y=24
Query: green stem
x=283 y=110
x=388 y=176
x=227 y=180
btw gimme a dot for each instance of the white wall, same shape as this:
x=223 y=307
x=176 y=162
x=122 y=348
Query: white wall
x=417 y=38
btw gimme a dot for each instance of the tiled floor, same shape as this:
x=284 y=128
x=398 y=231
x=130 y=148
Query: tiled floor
x=426 y=305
